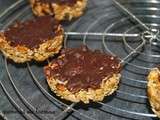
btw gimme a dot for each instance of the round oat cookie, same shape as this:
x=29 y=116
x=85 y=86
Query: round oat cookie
x=153 y=90
x=62 y=9
x=35 y=39
x=81 y=74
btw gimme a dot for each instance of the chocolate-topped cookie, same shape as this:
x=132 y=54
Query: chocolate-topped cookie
x=81 y=74
x=35 y=39
x=62 y=9
x=153 y=90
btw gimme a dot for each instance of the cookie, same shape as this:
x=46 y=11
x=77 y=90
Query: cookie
x=81 y=74
x=36 y=39
x=153 y=90
x=62 y=9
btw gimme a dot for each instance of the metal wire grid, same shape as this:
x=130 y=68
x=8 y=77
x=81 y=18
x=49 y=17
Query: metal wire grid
x=148 y=36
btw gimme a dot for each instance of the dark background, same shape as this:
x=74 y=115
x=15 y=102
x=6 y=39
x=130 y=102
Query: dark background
x=5 y=3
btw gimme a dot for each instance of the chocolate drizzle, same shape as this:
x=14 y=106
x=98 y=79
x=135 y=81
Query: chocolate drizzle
x=32 y=33
x=83 y=68
x=67 y=2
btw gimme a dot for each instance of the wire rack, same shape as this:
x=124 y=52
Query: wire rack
x=128 y=29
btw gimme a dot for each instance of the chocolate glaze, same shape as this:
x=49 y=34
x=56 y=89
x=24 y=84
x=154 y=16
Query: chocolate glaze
x=68 y=2
x=32 y=33
x=83 y=68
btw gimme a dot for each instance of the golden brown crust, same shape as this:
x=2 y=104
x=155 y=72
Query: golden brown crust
x=107 y=87
x=61 y=12
x=153 y=89
x=21 y=54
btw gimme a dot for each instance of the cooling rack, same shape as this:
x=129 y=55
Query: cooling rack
x=127 y=29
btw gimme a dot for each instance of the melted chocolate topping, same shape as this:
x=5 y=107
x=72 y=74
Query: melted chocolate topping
x=68 y=2
x=32 y=33
x=83 y=68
